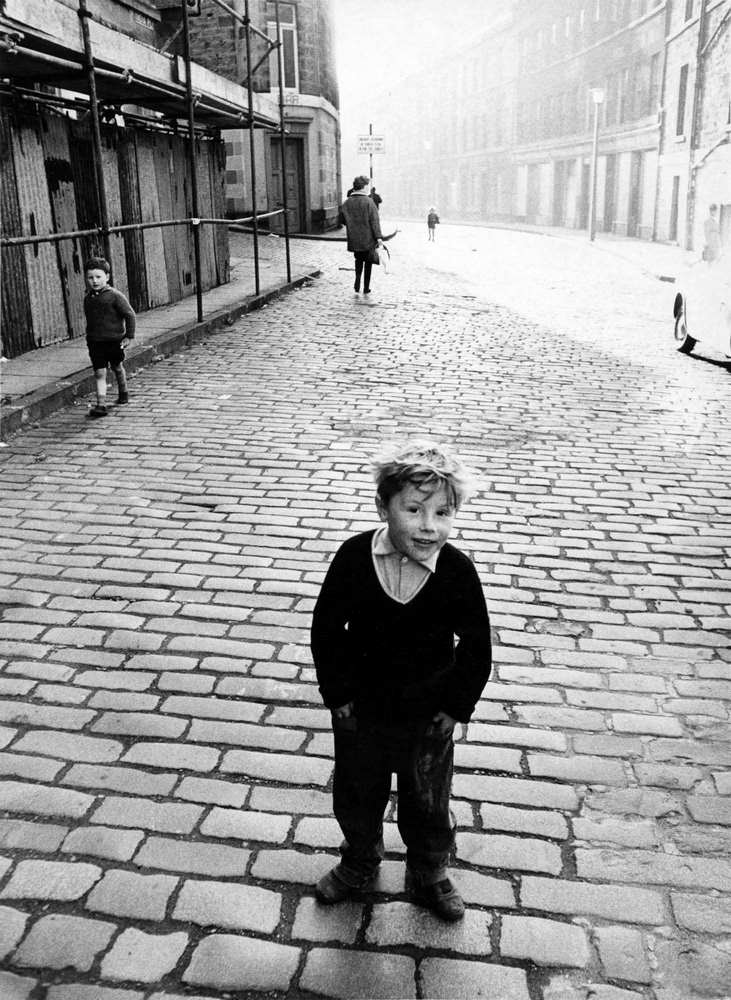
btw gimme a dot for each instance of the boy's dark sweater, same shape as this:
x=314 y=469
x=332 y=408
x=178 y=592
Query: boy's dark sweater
x=399 y=661
x=109 y=316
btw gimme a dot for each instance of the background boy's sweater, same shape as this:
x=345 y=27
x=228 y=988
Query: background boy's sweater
x=109 y=316
x=399 y=661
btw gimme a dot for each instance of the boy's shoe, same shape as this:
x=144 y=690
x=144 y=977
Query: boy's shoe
x=123 y=397
x=98 y=411
x=442 y=898
x=332 y=889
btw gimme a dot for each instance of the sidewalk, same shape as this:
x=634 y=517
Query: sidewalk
x=40 y=382
x=663 y=261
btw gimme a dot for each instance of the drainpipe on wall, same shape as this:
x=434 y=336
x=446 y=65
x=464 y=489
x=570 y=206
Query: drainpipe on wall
x=694 y=127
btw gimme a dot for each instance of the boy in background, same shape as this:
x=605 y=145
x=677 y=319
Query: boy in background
x=432 y=221
x=110 y=324
x=383 y=644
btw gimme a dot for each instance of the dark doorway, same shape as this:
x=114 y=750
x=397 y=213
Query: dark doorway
x=673 y=227
x=559 y=192
x=635 y=195
x=533 y=196
x=585 y=194
x=610 y=192
x=295 y=173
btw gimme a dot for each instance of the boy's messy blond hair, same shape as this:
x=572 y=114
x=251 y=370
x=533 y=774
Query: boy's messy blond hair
x=425 y=464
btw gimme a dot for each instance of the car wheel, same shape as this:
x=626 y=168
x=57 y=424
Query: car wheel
x=685 y=342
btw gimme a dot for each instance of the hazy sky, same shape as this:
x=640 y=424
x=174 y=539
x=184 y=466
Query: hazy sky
x=379 y=42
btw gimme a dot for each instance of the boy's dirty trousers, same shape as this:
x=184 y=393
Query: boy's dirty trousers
x=366 y=754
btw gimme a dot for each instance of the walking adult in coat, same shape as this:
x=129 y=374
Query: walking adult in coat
x=363 y=226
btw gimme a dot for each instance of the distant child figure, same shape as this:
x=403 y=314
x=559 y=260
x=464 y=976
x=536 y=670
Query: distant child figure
x=110 y=323
x=432 y=221
x=383 y=643
x=712 y=235
x=376 y=198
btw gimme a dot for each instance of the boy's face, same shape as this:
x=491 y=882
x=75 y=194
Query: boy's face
x=419 y=520
x=97 y=279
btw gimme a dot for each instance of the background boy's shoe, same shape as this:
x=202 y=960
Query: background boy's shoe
x=333 y=889
x=123 y=397
x=442 y=898
x=98 y=411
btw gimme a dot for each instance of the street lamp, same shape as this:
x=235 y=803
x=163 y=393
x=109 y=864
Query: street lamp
x=597 y=96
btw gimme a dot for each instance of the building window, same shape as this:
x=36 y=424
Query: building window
x=654 y=88
x=688 y=9
x=288 y=27
x=626 y=110
x=682 y=93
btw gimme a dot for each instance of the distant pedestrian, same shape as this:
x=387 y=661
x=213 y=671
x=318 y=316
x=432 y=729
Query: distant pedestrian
x=360 y=216
x=110 y=324
x=712 y=235
x=383 y=644
x=376 y=198
x=432 y=221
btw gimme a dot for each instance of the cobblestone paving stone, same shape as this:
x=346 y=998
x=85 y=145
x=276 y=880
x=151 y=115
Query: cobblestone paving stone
x=165 y=760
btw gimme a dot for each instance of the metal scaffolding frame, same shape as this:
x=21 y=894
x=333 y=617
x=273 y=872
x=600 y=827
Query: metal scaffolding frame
x=244 y=114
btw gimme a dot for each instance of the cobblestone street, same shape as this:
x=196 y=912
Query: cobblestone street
x=165 y=758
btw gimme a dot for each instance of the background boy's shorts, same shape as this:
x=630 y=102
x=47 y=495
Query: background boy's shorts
x=105 y=352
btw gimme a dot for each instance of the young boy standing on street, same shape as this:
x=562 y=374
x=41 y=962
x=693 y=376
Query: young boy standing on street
x=383 y=644
x=110 y=323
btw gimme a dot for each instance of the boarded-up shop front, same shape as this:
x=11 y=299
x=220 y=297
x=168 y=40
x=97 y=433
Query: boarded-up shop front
x=47 y=181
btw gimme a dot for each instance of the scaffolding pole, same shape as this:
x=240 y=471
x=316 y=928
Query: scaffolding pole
x=250 y=92
x=282 y=139
x=195 y=221
x=101 y=193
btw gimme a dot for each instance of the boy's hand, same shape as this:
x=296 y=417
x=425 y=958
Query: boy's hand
x=344 y=712
x=443 y=724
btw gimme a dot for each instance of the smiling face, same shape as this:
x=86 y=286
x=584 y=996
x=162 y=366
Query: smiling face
x=97 y=279
x=419 y=520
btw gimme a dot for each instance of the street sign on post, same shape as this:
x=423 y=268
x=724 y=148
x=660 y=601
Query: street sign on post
x=370 y=144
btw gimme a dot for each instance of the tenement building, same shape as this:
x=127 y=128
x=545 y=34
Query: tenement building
x=570 y=113
x=309 y=95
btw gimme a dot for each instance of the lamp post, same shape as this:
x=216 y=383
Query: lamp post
x=597 y=96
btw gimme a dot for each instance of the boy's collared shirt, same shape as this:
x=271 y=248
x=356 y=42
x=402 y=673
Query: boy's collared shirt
x=401 y=577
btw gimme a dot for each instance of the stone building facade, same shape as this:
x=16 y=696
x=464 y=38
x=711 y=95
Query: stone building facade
x=695 y=151
x=504 y=130
x=312 y=147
